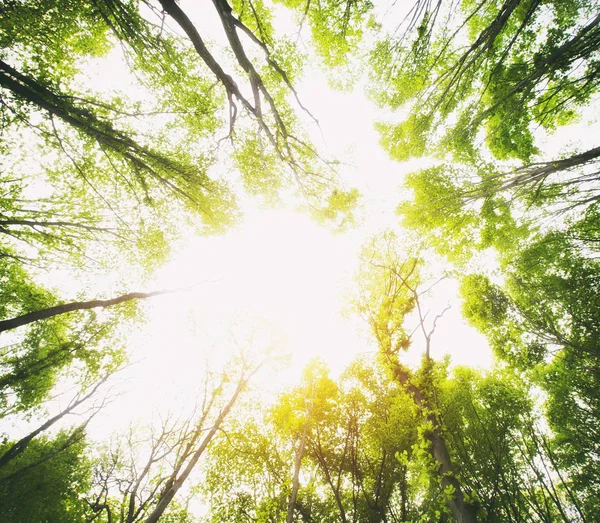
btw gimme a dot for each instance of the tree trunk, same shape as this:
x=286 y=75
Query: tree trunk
x=174 y=484
x=461 y=511
x=44 y=314
x=296 y=479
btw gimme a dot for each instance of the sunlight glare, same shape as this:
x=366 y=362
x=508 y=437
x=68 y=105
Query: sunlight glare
x=278 y=272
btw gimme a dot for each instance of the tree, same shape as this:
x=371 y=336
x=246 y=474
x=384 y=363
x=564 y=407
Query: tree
x=508 y=75
x=139 y=475
x=482 y=434
x=95 y=179
x=358 y=434
x=43 y=102
x=45 y=476
x=50 y=490
x=35 y=357
x=14 y=450
x=102 y=141
x=389 y=290
x=363 y=450
x=526 y=65
x=130 y=470
x=497 y=439
x=538 y=216
x=544 y=322
x=248 y=473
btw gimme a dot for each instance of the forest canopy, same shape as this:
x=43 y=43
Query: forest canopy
x=319 y=261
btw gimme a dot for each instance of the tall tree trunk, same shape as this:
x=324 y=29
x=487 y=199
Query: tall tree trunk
x=175 y=483
x=403 y=493
x=461 y=511
x=296 y=478
x=57 y=310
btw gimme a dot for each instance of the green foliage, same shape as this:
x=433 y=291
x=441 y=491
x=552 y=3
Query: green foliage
x=52 y=350
x=488 y=419
x=436 y=210
x=252 y=479
x=311 y=403
x=339 y=209
x=94 y=179
x=337 y=26
x=487 y=308
x=404 y=140
x=573 y=409
x=549 y=299
x=355 y=427
x=445 y=209
x=47 y=481
x=386 y=296
x=543 y=320
x=18 y=293
x=31 y=30
x=494 y=67
x=259 y=167
x=42 y=352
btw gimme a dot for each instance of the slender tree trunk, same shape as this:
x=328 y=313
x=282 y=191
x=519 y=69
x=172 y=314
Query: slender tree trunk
x=174 y=11
x=335 y=489
x=22 y=444
x=461 y=511
x=403 y=493
x=296 y=478
x=57 y=310
x=175 y=484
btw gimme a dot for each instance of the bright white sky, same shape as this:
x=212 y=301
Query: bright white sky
x=278 y=274
x=278 y=279
x=288 y=275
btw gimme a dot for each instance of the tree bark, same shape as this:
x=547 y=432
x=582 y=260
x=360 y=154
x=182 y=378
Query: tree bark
x=174 y=11
x=461 y=511
x=57 y=310
x=296 y=478
x=175 y=484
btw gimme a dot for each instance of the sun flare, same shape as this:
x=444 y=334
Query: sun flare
x=278 y=274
